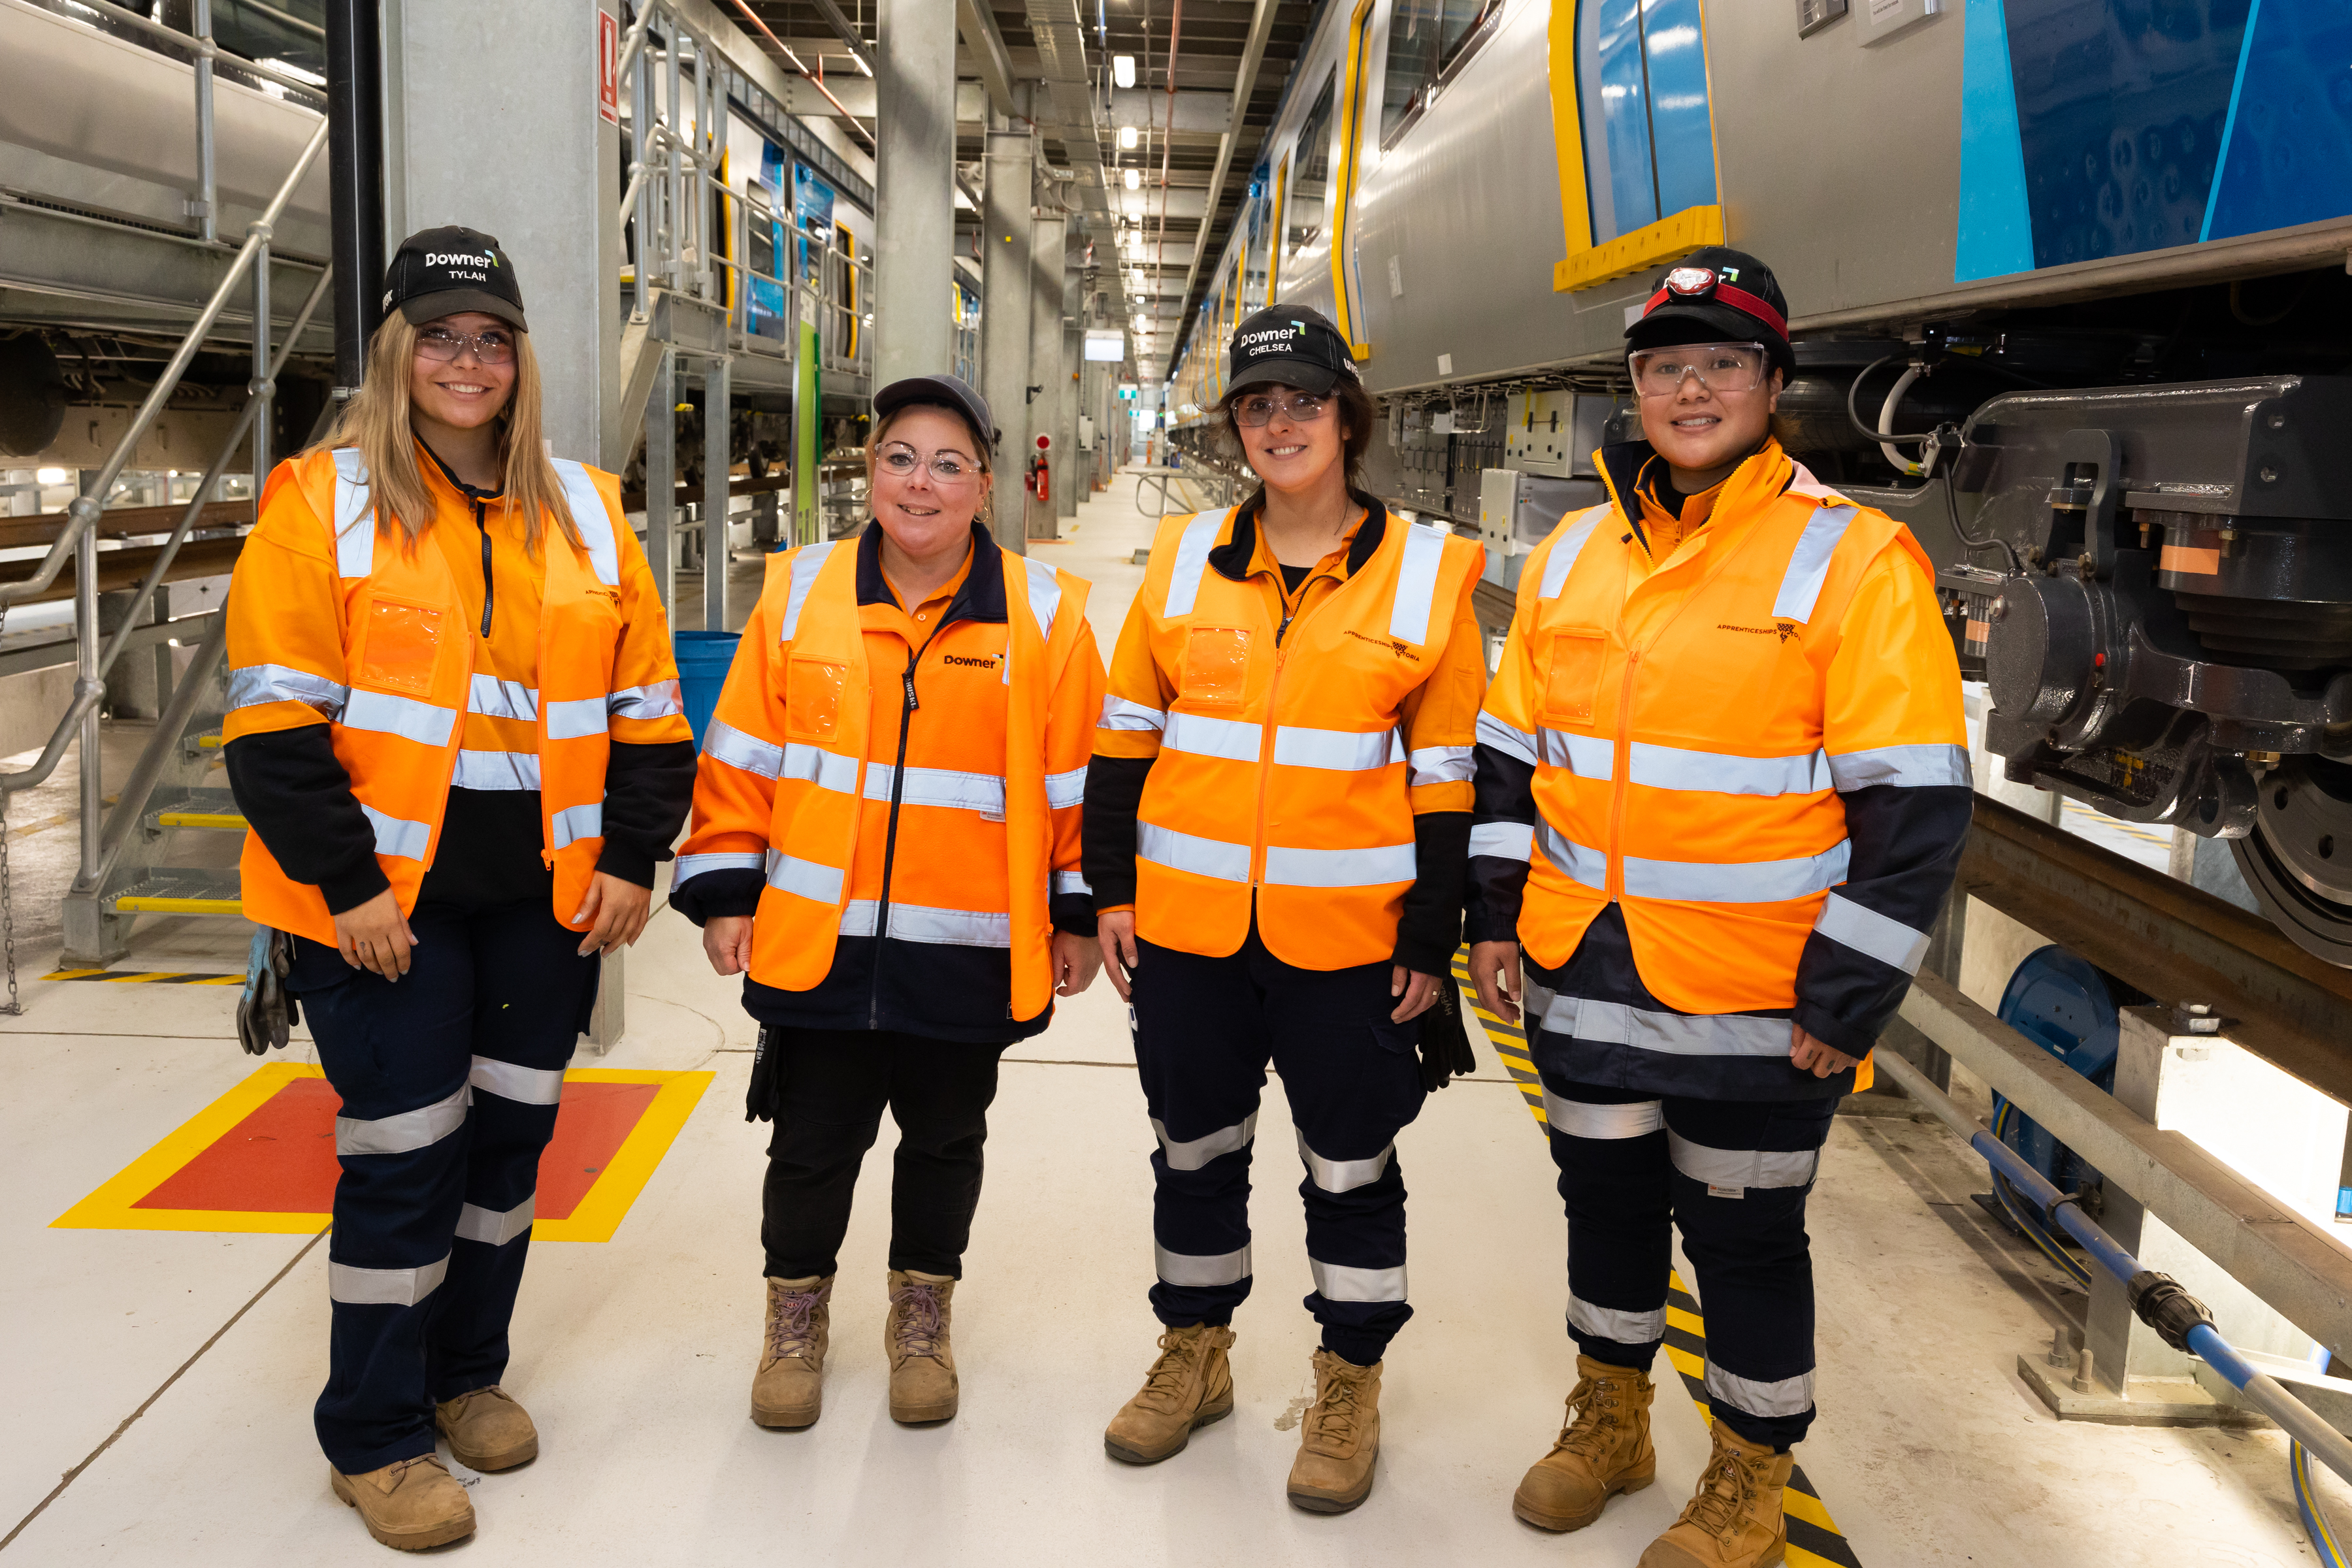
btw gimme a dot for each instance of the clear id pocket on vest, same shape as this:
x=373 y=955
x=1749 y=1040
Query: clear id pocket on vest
x=813 y=692
x=401 y=645
x=1578 y=654
x=1216 y=666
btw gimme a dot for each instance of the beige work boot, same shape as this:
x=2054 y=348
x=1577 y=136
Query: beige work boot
x=1602 y=1450
x=488 y=1430
x=410 y=1505
x=788 y=1389
x=1339 y=1438
x=1190 y=1385
x=1734 y=1519
x=922 y=1361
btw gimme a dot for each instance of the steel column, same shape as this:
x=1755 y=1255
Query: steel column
x=1048 y=375
x=1004 y=323
x=715 y=387
x=661 y=480
x=355 y=179
x=914 y=178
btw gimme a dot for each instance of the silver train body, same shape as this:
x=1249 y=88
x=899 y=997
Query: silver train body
x=2093 y=253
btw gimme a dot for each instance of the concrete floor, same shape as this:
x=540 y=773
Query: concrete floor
x=162 y=1381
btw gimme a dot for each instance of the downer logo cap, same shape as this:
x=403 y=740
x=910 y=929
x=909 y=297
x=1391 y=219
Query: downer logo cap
x=438 y=272
x=1717 y=295
x=1288 y=345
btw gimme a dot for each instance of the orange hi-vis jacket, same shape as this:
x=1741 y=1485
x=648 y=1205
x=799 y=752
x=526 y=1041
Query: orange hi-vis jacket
x=1699 y=727
x=1296 y=737
x=335 y=619
x=914 y=782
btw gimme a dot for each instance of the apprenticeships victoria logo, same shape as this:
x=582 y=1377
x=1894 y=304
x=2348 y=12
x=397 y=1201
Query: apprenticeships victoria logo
x=1784 y=630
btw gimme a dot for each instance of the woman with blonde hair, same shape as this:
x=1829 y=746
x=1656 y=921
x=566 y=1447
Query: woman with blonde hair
x=455 y=728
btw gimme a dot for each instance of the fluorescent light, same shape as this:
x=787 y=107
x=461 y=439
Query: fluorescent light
x=1129 y=136
x=54 y=475
x=1122 y=69
x=1134 y=180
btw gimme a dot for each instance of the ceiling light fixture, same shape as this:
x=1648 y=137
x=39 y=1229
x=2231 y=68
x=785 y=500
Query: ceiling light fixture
x=1122 y=69
x=1134 y=180
x=1129 y=136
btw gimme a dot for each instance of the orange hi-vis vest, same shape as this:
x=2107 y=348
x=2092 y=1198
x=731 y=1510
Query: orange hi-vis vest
x=408 y=655
x=1283 y=782
x=1691 y=727
x=825 y=786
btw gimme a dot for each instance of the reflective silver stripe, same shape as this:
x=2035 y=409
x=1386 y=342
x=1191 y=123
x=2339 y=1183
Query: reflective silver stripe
x=524 y=1086
x=403 y=716
x=1671 y=767
x=814 y=764
x=258 y=683
x=1669 y=1034
x=1070 y=882
x=1183 y=852
x=1368 y=868
x=356 y=523
x=1503 y=840
x=1441 y=764
x=1204 y=736
x=496 y=770
x=1340 y=751
x=1193 y=549
x=804 y=878
x=493 y=1229
x=1044 y=596
x=1344 y=1175
x=948 y=927
x=1416 y=589
x=857 y=917
x=1788 y=1397
x=1884 y=938
x=1179 y=1269
x=1906 y=767
x=1337 y=1282
x=688 y=867
x=405 y=1130
x=496 y=699
x=807 y=561
x=1565 y=547
x=1197 y=1151
x=1809 y=564
x=1737 y=881
x=942 y=787
x=1119 y=713
x=1739 y=1169
x=1586 y=756
x=575 y=822
x=1585 y=1119
x=355 y=1287
x=575 y=717
x=723 y=742
x=662 y=700
x=1065 y=790
x=1507 y=738
x=1577 y=862
x=589 y=516
x=395 y=835
x=1615 y=1324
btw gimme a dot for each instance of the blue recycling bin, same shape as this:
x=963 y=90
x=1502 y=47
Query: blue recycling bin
x=702 y=661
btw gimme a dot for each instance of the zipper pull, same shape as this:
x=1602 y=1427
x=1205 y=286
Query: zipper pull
x=910 y=680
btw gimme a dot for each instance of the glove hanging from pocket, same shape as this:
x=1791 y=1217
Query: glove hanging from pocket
x=760 y=1099
x=1446 y=1051
x=266 y=1011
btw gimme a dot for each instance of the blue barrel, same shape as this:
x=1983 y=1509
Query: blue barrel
x=702 y=661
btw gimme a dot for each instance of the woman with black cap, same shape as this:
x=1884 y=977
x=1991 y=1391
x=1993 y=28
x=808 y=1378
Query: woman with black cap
x=885 y=844
x=1722 y=786
x=1277 y=818
x=454 y=725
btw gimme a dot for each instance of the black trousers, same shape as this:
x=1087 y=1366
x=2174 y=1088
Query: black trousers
x=1733 y=1174
x=449 y=1080
x=833 y=1085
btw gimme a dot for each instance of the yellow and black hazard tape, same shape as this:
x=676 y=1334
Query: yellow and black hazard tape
x=1813 y=1536
x=136 y=977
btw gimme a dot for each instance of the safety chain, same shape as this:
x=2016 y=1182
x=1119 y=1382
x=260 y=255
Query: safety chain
x=7 y=899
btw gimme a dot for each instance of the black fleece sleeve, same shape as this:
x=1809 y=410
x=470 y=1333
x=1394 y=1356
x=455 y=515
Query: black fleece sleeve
x=648 y=792
x=294 y=792
x=716 y=894
x=1501 y=838
x=1430 y=928
x=1905 y=845
x=1107 y=853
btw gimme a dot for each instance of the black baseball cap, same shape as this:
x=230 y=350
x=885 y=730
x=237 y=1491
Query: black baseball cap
x=1717 y=295
x=945 y=392
x=1288 y=345
x=438 y=272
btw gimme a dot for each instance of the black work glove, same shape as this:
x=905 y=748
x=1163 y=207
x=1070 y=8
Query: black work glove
x=266 y=1011
x=1446 y=1051
x=760 y=1099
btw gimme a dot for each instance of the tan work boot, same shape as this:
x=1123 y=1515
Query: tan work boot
x=922 y=1361
x=1339 y=1438
x=1734 y=1519
x=1602 y=1450
x=488 y=1430
x=788 y=1389
x=410 y=1505
x=1190 y=1385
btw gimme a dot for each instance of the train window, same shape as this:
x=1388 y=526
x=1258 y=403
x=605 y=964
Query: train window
x=1427 y=38
x=1255 y=296
x=1311 y=192
x=1649 y=149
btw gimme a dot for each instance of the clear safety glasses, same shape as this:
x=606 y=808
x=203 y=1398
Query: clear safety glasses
x=949 y=469
x=1299 y=408
x=442 y=344
x=1720 y=367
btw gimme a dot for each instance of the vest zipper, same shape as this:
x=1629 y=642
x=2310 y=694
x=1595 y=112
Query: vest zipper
x=1621 y=771
x=1265 y=757
x=481 y=522
x=890 y=829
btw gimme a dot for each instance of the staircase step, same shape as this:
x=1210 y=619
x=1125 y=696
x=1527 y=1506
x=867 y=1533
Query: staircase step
x=218 y=821
x=182 y=890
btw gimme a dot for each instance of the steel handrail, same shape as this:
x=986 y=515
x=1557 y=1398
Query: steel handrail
x=131 y=801
x=203 y=48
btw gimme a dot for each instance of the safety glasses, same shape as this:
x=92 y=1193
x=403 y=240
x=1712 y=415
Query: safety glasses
x=949 y=469
x=1299 y=408
x=1720 y=367
x=442 y=344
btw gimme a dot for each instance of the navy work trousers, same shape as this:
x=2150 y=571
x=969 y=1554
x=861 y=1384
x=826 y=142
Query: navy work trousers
x=1733 y=1174
x=449 y=1080
x=1205 y=1029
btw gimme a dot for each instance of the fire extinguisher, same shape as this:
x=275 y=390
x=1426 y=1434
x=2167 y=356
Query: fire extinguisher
x=1040 y=478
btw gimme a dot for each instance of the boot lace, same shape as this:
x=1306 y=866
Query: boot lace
x=917 y=1327
x=1163 y=1385
x=1593 y=1430
x=790 y=1331
x=1727 y=1491
x=1333 y=1420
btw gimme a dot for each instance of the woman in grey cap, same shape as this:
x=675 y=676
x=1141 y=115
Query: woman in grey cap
x=885 y=844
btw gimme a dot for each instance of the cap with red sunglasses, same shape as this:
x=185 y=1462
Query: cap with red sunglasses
x=1717 y=295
